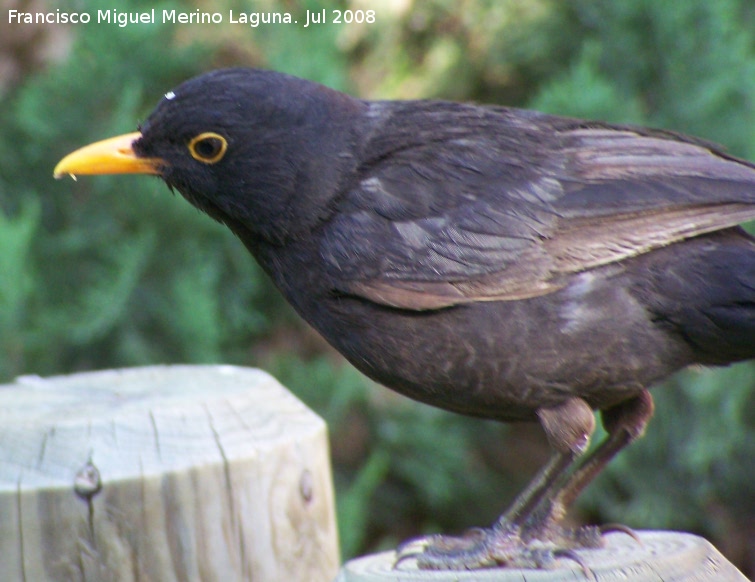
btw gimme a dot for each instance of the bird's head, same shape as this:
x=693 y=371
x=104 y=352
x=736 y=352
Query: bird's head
x=260 y=151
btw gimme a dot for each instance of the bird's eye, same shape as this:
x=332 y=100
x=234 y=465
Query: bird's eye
x=208 y=147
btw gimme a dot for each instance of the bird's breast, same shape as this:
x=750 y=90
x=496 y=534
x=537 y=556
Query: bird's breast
x=498 y=359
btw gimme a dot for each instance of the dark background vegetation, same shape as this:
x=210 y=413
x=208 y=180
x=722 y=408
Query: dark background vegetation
x=114 y=271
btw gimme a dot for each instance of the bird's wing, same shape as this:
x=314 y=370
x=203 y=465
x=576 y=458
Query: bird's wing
x=482 y=216
x=628 y=191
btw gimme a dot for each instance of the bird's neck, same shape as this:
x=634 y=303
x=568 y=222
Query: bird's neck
x=310 y=167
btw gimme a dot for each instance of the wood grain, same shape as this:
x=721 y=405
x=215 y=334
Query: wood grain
x=170 y=473
x=663 y=557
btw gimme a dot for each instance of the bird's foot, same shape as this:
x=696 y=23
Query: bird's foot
x=502 y=545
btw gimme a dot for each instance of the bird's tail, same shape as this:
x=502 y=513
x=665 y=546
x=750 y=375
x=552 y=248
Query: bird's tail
x=704 y=289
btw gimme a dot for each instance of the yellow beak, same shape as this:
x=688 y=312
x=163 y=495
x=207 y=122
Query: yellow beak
x=109 y=156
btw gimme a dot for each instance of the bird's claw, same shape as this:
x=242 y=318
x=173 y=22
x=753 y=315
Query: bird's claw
x=620 y=528
x=439 y=552
x=501 y=545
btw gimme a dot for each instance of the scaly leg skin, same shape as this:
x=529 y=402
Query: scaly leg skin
x=528 y=534
x=625 y=423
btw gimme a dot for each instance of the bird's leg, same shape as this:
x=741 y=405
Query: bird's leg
x=568 y=426
x=625 y=423
x=528 y=534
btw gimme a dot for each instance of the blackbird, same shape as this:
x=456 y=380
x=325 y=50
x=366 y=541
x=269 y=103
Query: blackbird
x=495 y=262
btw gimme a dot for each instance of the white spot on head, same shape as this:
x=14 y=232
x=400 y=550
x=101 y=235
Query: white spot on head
x=170 y=95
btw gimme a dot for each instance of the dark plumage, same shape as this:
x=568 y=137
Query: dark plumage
x=491 y=261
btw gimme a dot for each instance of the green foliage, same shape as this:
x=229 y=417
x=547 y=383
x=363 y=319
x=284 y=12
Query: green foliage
x=114 y=271
x=566 y=95
x=687 y=66
x=16 y=237
x=117 y=273
x=354 y=510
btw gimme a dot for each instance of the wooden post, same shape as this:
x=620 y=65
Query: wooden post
x=171 y=473
x=663 y=556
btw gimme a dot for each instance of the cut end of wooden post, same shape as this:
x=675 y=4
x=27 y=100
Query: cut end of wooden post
x=663 y=556
x=163 y=473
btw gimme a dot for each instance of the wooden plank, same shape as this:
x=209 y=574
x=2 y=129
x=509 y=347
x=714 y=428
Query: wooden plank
x=168 y=473
x=664 y=556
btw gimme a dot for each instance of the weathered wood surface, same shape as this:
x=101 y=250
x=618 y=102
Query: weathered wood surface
x=177 y=473
x=663 y=557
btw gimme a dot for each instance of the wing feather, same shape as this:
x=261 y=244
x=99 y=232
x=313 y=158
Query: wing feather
x=493 y=204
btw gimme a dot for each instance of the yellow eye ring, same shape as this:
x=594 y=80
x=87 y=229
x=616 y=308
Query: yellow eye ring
x=208 y=147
